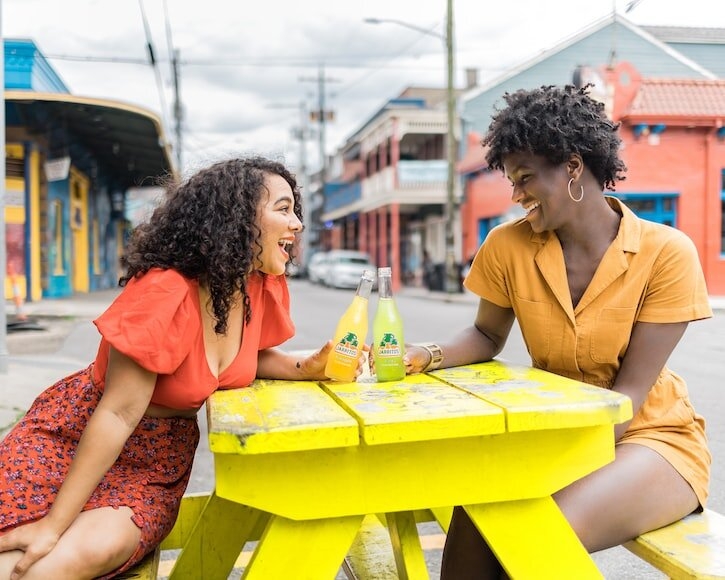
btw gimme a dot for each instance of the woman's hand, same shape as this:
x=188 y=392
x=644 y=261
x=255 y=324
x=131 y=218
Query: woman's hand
x=415 y=359
x=313 y=367
x=35 y=540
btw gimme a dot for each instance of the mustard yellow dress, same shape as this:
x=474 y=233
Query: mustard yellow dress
x=650 y=273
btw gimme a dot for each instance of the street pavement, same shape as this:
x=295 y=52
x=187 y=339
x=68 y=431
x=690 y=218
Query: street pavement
x=58 y=344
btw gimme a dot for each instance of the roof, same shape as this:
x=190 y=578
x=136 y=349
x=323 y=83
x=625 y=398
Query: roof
x=688 y=100
x=586 y=32
x=686 y=34
x=127 y=141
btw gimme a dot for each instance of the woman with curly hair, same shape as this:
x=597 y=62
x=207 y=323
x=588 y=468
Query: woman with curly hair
x=106 y=453
x=602 y=297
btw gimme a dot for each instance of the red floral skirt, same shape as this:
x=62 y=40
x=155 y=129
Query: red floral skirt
x=150 y=475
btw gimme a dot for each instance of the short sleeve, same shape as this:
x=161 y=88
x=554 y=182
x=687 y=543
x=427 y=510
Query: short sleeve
x=153 y=321
x=486 y=277
x=676 y=291
x=277 y=325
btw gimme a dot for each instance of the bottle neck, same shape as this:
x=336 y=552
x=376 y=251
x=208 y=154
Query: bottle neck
x=364 y=288
x=385 y=287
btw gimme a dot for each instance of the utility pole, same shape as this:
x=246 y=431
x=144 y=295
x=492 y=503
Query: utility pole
x=451 y=281
x=4 y=355
x=302 y=134
x=178 y=111
x=451 y=271
x=321 y=116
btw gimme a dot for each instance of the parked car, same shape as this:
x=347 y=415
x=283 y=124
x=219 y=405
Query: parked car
x=316 y=268
x=293 y=270
x=344 y=268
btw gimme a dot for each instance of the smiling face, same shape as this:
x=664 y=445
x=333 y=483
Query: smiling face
x=278 y=225
x=540 y=188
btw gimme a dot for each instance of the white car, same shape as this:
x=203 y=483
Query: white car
x=317 y=268
x=344 y=268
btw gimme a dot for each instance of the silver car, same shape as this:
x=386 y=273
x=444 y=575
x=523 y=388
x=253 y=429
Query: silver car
x=317 y=268
x=344 y=268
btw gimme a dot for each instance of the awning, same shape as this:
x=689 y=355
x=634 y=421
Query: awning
x=127 y=141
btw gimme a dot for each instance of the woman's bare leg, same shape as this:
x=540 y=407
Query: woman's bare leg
x=98 y=542
x=466 y=555
x=638 y=492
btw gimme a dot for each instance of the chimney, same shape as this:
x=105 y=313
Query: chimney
x=471 y=78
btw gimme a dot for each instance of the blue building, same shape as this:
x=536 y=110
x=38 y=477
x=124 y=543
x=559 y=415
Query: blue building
x=70 y=161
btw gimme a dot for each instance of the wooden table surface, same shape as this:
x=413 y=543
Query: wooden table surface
x=301 y=463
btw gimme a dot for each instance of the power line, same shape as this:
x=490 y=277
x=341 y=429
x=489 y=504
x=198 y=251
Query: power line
x=154 y=65
x=178 y=111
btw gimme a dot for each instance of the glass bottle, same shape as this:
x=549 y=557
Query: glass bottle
x=388 y=340
x=352 y=329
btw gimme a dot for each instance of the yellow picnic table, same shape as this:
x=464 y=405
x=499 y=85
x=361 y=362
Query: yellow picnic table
x=302 y=463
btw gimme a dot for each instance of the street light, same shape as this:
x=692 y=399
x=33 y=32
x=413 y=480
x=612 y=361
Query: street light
x=451 y=284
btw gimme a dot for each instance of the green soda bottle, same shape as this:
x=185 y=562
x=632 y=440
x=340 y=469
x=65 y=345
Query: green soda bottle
x=388 y=343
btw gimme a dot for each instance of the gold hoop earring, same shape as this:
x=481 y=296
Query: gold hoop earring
x=581 y=191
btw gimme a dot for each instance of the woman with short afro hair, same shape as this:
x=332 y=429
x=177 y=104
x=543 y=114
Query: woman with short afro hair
x=602 y=297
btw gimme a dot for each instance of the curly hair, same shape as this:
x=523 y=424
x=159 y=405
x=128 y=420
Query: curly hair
x=555 y=122
x=207 y=230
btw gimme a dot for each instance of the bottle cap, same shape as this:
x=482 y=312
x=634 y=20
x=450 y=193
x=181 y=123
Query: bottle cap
x=368 y=275
x=384 y=271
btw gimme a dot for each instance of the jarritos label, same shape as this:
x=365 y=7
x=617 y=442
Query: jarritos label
x=348 y=345
x=388 y=346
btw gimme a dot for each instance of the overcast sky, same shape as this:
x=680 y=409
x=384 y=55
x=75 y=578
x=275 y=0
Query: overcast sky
x=246 y=67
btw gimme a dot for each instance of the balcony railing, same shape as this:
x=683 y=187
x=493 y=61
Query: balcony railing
x=421 y=173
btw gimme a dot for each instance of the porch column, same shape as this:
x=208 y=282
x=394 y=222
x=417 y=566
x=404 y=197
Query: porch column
x=372 y=223
x=362 y=242
x=395 y=244
x=383 y=237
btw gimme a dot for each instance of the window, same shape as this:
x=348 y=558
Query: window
x=655 y=207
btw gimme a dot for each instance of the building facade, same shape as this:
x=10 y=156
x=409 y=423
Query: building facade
x=70 y=161
x=390 y=190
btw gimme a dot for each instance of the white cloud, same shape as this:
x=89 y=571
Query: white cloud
x=238 y=57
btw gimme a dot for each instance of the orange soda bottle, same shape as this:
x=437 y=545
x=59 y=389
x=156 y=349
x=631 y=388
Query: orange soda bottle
x=350 y=334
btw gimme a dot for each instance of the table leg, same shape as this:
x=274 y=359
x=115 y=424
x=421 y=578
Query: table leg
x=409 y=558
x=303 y=550
x=532 y=539
x=217 y=539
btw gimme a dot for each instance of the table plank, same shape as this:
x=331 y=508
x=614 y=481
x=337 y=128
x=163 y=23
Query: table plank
x=277 y=416
x=535 y=399
x=419 y=408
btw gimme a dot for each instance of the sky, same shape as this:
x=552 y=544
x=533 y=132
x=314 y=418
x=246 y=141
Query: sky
x=248 y=71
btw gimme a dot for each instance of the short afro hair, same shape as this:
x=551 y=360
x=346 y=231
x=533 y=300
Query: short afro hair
x=555 y=122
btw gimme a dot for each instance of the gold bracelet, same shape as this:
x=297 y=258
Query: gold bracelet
x=436 y=356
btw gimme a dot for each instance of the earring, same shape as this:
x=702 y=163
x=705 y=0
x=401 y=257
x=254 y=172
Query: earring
x=581 y=191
